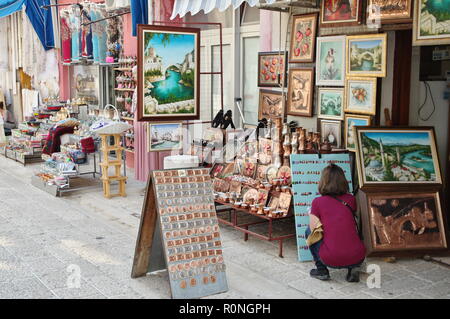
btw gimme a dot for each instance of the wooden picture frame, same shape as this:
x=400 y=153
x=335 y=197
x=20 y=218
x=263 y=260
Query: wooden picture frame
x=270 y=104
x=363 y=51
x=164 y=105
x=335 y=14
x=272 y=68
x=360 y=95
x=330 y=103
x=303 y=38
x=349 y=134
x=300 y=92
x=166 y=129
x=331 y=128
x=421 y=12
x=402 y=223
x=397 y=156
x=331 y=60
x=390 y=14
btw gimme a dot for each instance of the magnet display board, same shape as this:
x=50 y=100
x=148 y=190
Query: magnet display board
x=180 y=232
x=306 y=172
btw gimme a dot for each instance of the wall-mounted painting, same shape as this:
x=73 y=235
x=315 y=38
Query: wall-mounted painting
x=270 y=104
x=330 y=61
x=164 y=136
x=366 y=55
x=388 y=11
x=361 y=95
x=336 y=13
x=272 y=68
x=397 y=156
x=402 y=222
x=330 y=103
x=331 y=131
x=168 y=78
x=350 y=121
x=303 y=38
x=431 y=22
x=300 y=92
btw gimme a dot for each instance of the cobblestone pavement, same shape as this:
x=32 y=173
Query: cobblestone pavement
x=43 y=239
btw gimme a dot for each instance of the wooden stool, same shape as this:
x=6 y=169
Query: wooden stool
x=107 y=163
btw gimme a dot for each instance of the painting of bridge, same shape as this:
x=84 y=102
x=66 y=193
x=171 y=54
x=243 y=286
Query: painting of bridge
x=366 y=55
x=432 y=22
x=170 y=75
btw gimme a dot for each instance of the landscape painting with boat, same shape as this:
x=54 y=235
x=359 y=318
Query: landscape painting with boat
x=169 y=74
x=398 y=156
x=165 y=136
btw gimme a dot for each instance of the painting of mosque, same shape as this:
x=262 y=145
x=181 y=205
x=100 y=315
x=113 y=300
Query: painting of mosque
x=405 y=221
x=397 y=156
x=366 y=55
x=168 y=82
x=431 y=22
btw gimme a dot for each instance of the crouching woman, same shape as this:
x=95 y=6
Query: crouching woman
x=340 y=246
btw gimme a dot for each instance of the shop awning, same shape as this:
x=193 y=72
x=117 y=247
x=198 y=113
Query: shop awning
x=181 y=7
x=8 y=7
x=42 y=22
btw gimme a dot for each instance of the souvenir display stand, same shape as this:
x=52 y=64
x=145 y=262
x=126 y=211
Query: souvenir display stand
x=179 y=232
x=117 y=164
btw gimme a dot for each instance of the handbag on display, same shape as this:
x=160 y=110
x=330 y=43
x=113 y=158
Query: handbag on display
x=110 y=126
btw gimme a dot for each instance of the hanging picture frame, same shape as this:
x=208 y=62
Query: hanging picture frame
x=272 y=68
x=387 y=11
x=300 y=92
x=361 y=95
x=366 y=55
x=350 y=121
x=330 y=61
x=397 y=156
x=164 y=136
x=270 y=104
x=303 y=38
x=330 y=103
x=168 y=77
x=338 y=13
x=332 y=131
x=431 y=22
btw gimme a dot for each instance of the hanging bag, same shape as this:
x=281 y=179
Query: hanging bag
x=108 y=126
x=358 y=230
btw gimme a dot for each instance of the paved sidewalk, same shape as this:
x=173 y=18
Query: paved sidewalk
x=45 y=240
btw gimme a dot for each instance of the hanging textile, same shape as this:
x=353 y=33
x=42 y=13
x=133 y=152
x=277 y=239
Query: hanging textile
x=115 y=40
x=66 y=37
x=139 y=13
x=8 y=7
x=181 y=7
x=75 y=26
x=42 y=21
x=86 y=32
x=95 y=33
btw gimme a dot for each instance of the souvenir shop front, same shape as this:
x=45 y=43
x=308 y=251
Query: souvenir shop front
x=230 y=113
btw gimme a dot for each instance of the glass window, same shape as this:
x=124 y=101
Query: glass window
x=249 y=76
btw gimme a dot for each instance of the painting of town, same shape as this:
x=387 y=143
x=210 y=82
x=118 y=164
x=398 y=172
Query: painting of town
x=164 y=136
x=397 y=156
x=431 y=22
x=168 y=82
x=366 y=55
x=406 y=221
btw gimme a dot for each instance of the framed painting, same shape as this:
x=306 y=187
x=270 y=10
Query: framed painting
x=403 y=221
x=330 y=61
x=270 y=104
x=361 y=95
x=431 y=22
x=388 y=11
x=164 y=137
x=397 y=156
x=350 y=121
x=330 y=103
x=300 y=92
x=332 y=132
x=303 y=38
x=272 y=68
x=366 y=55
x=168 y=77
x=336 y=13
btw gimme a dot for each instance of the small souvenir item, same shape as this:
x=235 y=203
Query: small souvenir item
x=262 y=196
x=251 y=196
x=271 y=173
x=249 y=168
x=284 y=174
x=284 y=201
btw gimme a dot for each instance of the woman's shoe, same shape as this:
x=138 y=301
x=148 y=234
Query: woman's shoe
x=321 y=274
x=352 y=275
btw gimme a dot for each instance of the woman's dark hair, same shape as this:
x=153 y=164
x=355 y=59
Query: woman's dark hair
x=333 y=181
x=1 y=105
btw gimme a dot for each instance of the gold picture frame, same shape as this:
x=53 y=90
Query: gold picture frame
x=360 y=95
x=300 y=92
x=303 y=38
x=358 y=62
x=431 y=39
x=349 y=134
x=401 y=12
